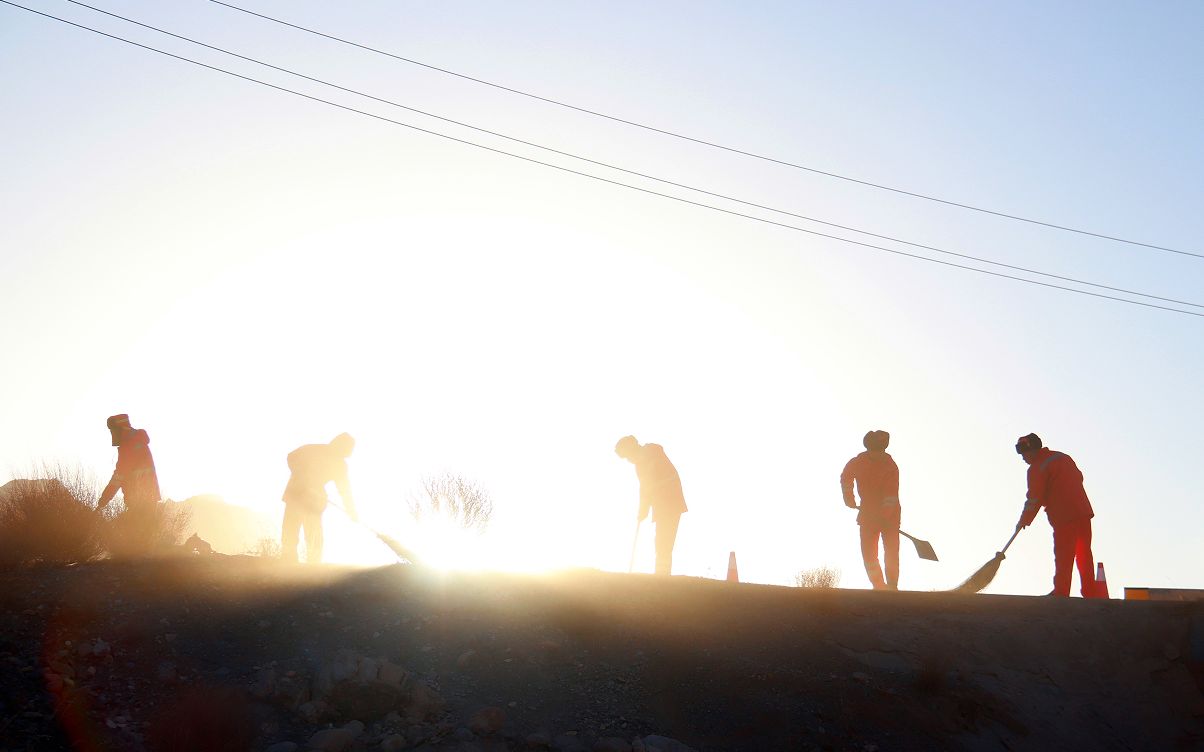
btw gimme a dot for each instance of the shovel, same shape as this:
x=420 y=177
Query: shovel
x=980 y=579
x=923 y=548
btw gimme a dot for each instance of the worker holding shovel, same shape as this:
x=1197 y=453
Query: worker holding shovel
x=877 y=479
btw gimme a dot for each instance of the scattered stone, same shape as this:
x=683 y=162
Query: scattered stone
x=665 y=744
x=462 y=734
x=861 y=676
x=282 y=747
x=367 y=670
x=391 y=673
x=331 y=740
x=393 y=743
x=466 y=659
x=539 y=739
x=488 y=720
x=611 y=744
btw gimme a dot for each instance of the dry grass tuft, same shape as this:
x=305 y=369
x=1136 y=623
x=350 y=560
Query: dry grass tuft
x=819 y=577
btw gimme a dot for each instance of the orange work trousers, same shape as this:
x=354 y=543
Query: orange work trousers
x=1072 y=545
x=870 y=534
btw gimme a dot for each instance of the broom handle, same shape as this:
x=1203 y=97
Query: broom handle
x=1009 y=543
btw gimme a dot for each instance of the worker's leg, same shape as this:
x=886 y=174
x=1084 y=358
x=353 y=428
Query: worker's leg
x=890 y=552
x=290 y=531
x=869 y=554
x=1085 y=561
x=1065 y=537
x=313 y=537
x=666 y=536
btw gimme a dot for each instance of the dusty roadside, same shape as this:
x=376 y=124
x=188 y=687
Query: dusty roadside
x=243 y=653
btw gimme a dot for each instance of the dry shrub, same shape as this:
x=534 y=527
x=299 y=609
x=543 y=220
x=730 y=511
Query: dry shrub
x=50 y=518
x=268 y=548
x=819 y=577
x=453 y=499
x=146 y=530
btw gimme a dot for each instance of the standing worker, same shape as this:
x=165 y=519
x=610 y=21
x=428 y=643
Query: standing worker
x=313 y=466
x=660 y=491
x=877 y=478
x=1056 y=483
x=135 y=473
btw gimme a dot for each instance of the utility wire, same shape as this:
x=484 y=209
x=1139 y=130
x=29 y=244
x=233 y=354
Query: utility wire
x=712 y=144
x=597 y=177
x=634 y=172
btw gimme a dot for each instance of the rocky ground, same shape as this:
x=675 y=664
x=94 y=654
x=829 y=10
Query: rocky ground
x=242 y=653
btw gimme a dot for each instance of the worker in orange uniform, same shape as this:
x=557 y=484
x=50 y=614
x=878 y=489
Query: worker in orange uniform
x=312 y=467
x=877 y=478
x=1056 y=483
x=135 y=473
x=660 y=491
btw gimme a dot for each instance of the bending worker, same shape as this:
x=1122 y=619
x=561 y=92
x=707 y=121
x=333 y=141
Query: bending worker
x=135 y=473
x=1056 y=483
x=312 y=467
x=660 y=491
x=877 y=478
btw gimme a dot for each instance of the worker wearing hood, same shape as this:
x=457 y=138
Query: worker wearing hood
x=135 y=473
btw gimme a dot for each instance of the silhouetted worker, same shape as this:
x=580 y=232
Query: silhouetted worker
x=135 y=474
x=1056 y=483
x=312 y=467
x=660 y=491
x=877 y=478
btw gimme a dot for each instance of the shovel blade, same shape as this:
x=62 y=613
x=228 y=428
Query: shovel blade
x=923 y=548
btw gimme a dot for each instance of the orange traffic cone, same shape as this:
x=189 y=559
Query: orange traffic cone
x=1101 y=582
x=732 y=574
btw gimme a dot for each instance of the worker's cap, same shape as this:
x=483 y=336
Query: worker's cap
x=876 y=441
x=626 y=446
x=1029 y=443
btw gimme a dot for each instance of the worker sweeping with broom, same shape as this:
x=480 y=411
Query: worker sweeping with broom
x=1056 y=483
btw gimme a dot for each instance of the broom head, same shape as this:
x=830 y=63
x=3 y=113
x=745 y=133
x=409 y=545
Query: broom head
x=980 y=579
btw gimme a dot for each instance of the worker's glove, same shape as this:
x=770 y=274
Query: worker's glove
x=850 y=503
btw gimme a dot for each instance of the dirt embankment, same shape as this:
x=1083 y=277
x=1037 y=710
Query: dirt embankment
x=241 y=653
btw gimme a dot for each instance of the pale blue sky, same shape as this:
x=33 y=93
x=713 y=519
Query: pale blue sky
x=243 y=271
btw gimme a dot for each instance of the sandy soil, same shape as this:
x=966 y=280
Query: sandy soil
x=213 y=653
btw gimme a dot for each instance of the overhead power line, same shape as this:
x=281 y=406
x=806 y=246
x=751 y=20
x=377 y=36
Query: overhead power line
x=714 y=145
x=597 y=177
x=635 y=172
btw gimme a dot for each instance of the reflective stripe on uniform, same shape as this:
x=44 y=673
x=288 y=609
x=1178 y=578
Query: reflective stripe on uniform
x=1050 y=459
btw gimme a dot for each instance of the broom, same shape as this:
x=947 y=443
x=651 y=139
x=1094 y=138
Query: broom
x=980 y=579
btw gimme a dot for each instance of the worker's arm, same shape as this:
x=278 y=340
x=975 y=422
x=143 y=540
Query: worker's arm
x=1034 y=499
x=110 y=490
x=343 y=483
x=846 y=483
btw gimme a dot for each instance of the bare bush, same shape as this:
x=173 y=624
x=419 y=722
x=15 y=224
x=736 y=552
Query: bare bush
x=50 y=518
x=145 y=530
x=819 y=577
x=268 y=548
x=452 y=498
